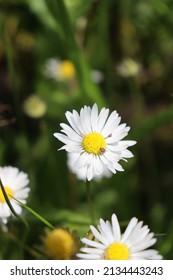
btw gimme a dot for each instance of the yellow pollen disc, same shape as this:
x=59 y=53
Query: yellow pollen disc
x=94 y=143
x=59 y=244
x=67 y=70
x=117 y=251
x=9 y=193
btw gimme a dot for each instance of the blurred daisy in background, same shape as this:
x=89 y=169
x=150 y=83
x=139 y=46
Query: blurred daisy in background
x=110 y=244
x=128 y=68
x=34 y=107
x=15 y=183
x=64 y=70
x=97 y=76
x=59 y=244
x=95 y=140
x=59 y=70
x=82 y=171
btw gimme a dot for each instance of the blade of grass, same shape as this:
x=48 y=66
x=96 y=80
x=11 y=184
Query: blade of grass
x=39 y=7
x=34 y=213
x=150 y=124
x=88 y=89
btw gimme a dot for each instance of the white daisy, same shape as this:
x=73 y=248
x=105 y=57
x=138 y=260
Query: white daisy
x=110 y=244
x=15 y=183
x=128 y=68
x=96 y=140
x=97 y=76
x=59 y=70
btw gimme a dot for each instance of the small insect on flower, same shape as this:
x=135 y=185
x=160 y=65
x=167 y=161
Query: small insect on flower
x=95 y=141
x=109 y=244
x=102 y=150
x=15 y=184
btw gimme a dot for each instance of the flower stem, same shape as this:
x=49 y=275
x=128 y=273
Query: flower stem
x=34 y=213
x=89 y=200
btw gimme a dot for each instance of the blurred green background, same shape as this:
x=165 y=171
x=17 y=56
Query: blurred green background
x=130 y=44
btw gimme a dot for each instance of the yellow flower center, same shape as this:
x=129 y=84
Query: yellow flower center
x=94 y=143
x=59 y=244
x=67 y=70
x=117 y=251
x=9 y=193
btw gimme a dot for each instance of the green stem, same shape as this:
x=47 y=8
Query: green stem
x=38 y=216
x=89 y=200
x=11 y=207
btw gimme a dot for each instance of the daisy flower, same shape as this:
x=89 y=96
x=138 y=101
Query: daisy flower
x=59 y=244
x=128 y=68
x=60 y=70
x=96 y=140
x=110 y=244
x=15 y=183
x=34 y=107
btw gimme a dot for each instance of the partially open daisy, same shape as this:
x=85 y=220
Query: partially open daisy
x=110 y=244
x=96 y=140
x=59 y=244
x=15 y=183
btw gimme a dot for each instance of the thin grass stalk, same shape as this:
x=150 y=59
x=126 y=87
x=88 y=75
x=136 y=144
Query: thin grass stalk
x=89 y=201
x=34 y=213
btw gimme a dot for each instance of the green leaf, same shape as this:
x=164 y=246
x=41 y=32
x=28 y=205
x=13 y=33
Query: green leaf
x=88 y=89
x=150 y=124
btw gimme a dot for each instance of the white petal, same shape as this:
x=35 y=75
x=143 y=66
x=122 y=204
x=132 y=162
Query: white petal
x=102 y=118
x=129 y=142
x=94 y=117
x=91 y=250
x=97 y=165
x=116 y=228
x=144 y=245
x=147 y=254
x=17 y=208
x=109 y=227
x=111 y=124
x=85 y=119
x=90 y=172
x=71 y=133
x=93 y=243
x=99 y=236
x=126 y=154
x=116 y=137
x=74 y=121
x=118 y=167
x=63 y=138
x=140 y=235
x=129 y=229
x=105 y=231
x=82 y=160
x=89 y=256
